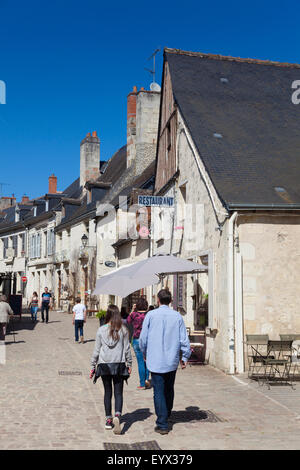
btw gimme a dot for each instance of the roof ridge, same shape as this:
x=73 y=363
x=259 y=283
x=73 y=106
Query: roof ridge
x=230 y=58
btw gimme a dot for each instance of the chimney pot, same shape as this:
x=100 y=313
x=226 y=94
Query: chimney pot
x=94 y=134
x=134 y=89
x=25 y=199
x=88 y=134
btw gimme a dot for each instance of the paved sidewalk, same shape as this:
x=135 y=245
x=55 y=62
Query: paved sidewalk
x=48 y=401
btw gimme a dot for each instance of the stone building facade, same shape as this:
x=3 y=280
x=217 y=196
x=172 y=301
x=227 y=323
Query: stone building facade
x=231 y=170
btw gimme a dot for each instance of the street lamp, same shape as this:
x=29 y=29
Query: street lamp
x=84 y=240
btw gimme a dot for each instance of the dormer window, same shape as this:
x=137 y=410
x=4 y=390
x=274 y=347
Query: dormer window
x=89 y=196
x=47 y=205
x=34 y=211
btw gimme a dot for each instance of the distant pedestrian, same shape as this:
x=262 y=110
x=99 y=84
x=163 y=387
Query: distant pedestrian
x=34 y=306
x=46 y=304
x=136 y=319
x=162 y=338
x=124 y=314
x=5 y=311
x=112 y=361
x=151 y=307
x=79 y=318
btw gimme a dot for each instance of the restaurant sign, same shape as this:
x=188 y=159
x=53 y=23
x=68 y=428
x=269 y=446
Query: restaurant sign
x=156 y=201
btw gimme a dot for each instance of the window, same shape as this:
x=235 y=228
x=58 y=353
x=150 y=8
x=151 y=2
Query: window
x=35 y=246
x=45 y=245
x=15 y=244
x=51 y=241
x=169 y=137
x=5 y=246
x=38 y=245
x=23 y=238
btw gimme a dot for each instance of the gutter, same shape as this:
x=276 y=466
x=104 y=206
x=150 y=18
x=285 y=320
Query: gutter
x=251 y=207
x=230 y=276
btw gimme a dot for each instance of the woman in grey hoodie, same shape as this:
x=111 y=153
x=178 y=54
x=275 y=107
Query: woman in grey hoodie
x=112 y=360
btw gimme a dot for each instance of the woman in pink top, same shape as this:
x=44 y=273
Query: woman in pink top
x=136 y=319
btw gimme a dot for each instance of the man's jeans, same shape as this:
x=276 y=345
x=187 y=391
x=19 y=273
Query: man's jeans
x=78 y=326
x=163 y=385
x=143 y=371
x=45 y=306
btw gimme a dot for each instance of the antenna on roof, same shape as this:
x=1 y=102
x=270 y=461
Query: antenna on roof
x=153 y=70
x=1 y=187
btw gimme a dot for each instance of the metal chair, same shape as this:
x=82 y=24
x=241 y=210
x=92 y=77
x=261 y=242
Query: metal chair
x=295 y=352
x=278 y=362
x=257 y=351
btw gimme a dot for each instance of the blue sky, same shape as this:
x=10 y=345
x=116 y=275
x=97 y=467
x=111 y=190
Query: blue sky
x=68 y=66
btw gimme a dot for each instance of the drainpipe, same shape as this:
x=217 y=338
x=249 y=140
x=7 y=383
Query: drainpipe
x=231 y=291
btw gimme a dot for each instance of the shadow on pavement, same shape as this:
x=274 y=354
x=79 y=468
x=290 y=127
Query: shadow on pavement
x=25 y=323
x=191 y=413
x=138 y=415
x=13 y=342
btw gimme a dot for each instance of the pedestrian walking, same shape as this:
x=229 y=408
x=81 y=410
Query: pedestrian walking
x=112 y=361
x=34 y=306
x=162 y=338
x=46 y=304
x=136 y=319
x=79 y=318
x=124 y=314
x=5 y=311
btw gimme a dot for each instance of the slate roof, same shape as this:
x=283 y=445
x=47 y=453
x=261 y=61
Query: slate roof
x=242 y=120
x=7 y=217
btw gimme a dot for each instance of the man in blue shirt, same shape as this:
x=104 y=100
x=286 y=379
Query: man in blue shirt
x=162 y=338
x=46 y=303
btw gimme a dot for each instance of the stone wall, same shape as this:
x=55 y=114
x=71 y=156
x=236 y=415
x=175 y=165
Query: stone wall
x=270 y=250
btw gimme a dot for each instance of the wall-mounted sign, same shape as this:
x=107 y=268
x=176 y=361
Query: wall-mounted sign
x=24 y=279
x=156 y=201
x=110 y=264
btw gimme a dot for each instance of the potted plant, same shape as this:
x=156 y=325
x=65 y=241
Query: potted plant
x=101 y=315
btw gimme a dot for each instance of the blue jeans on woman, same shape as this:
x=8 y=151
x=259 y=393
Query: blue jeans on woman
x=143 y=371
x=33 y=311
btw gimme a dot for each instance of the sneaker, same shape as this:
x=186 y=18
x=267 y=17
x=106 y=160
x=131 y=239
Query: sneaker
x=147 y=384
x=109 y=423
x=161 y=431
x=117 y=427
x=141 y=388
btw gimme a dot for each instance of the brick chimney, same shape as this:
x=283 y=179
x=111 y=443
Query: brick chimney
x=25 y=199
x=142 y=127
x=52 y=184
x=131 y=126
x=6 y=202
x=89 y=158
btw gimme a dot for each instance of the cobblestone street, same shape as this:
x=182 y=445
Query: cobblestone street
x=49 y=402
